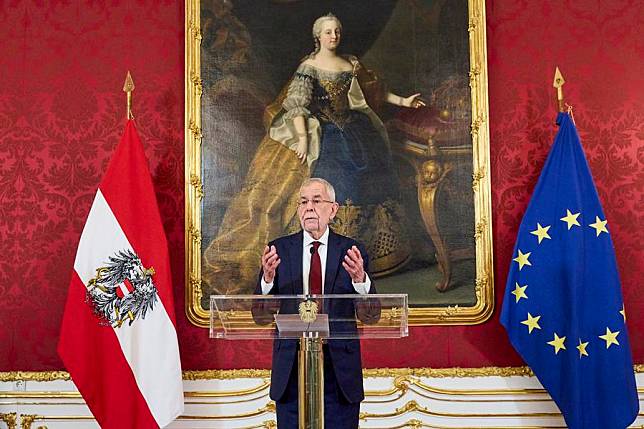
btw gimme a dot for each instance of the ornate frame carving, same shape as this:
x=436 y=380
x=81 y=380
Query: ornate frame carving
x=194 y=191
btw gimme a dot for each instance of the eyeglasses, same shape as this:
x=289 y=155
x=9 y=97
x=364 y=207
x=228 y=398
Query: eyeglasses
x=317 y=202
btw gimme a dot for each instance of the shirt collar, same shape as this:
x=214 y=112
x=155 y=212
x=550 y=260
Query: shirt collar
x=324 y=239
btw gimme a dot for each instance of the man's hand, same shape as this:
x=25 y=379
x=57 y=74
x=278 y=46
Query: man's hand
x=354 y=265
x=270 y=261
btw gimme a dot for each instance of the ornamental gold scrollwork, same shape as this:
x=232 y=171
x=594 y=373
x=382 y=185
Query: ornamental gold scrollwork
x=9 y=419
x=197 y=82
x=195 y=181
x=226 y=374
x=195 y=233
x=26 y=420
x=477 y=176
x=195 y=30
x=480 y=284
x=449 y=372
x=34 y=376
x=480 y=228
x=476 y=124
x=413 y=406
x=196 y=287
x=196 y=131
x=474 y=74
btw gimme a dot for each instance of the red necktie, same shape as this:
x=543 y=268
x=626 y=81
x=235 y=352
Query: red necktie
x=315 y=273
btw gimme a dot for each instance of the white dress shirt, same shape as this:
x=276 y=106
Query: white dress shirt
x=307 y=243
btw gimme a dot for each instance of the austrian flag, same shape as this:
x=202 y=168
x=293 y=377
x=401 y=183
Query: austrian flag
x=118 y=337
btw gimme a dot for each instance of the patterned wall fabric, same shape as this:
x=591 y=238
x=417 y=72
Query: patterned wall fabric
x=62 y=112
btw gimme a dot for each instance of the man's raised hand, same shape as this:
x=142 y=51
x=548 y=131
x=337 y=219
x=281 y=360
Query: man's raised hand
x=270 y=261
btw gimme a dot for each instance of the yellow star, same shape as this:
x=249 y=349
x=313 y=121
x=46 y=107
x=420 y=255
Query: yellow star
x=532 y=323
x=519 y=291
x=610 y=337
x=582 y=348
x=570 y=219
x=522 y=259
x=541 y=232
x=623 y=312
x=558 y=343
x=599 y=225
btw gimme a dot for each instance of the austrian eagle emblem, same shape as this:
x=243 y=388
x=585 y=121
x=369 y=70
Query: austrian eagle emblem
x=122 y=290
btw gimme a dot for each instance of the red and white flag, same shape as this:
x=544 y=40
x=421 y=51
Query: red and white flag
x=118 y=338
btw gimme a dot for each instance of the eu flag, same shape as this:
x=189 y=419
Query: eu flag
x=563 y=307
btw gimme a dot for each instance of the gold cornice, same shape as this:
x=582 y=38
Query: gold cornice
x=449 y=372
x=230 y=374
x=34 y=376
x=226 y=374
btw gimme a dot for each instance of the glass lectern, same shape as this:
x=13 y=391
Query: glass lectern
x=313 y=319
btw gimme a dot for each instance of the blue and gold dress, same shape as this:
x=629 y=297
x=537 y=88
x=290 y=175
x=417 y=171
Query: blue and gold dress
x=348 y=146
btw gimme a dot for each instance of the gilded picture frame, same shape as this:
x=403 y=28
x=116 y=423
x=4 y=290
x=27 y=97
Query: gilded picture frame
x=440 y=152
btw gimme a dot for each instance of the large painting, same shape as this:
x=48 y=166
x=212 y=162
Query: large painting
x=399 y=128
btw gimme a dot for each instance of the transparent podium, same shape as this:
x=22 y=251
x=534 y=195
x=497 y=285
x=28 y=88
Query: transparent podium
x=313 y=320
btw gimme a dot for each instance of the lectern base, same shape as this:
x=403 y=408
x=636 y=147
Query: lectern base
x=311 y=384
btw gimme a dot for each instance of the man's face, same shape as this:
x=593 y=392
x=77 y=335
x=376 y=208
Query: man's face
x=315 y=209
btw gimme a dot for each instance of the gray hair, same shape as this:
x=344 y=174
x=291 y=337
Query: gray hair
x=327 y=186
x=317 y=29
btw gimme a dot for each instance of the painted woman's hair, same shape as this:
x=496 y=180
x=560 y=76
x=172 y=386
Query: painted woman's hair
x=317 y=29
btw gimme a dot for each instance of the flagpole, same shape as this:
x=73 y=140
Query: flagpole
x=558 y=83
x=128 y=87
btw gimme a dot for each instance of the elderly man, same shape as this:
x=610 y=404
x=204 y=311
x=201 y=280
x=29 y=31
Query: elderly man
x=317 y=261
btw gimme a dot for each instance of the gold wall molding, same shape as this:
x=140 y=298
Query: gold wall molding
x=450 y=372
x=417 y=424
x=405 y=380
x=229 y=374
x=226 y=374
x=413 y=406
x=403 y=384
x=27 y=420
x=34 y=375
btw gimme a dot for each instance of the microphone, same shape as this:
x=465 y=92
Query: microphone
x=312 y=249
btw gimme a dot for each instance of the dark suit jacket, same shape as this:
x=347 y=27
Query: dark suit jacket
x=345 y=354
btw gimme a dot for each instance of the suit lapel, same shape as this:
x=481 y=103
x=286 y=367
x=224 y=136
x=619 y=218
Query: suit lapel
x=295 y=259
x=333 y=262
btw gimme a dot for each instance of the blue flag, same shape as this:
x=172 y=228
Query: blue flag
x=563 y=307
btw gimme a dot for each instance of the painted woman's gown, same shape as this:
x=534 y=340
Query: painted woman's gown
x=348 y=146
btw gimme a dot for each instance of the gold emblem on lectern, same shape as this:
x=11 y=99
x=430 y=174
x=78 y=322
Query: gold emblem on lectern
x=308 y=311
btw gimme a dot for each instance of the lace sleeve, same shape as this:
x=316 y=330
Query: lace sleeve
x=298 y=96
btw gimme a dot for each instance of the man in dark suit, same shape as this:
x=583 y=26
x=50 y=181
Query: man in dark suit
x=293 y=265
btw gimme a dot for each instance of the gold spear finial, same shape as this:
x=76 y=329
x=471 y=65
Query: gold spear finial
x=558 y=83
x=128 y=87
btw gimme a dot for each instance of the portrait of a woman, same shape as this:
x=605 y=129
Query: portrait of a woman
x=324 y=123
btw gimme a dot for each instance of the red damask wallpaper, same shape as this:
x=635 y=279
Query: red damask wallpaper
x=62 y=112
